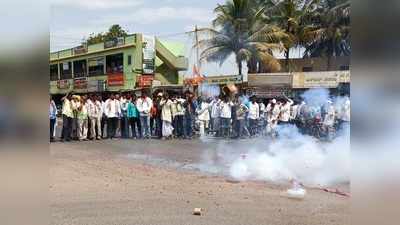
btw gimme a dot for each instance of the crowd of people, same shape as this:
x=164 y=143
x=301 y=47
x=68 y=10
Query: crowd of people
x=167 y=116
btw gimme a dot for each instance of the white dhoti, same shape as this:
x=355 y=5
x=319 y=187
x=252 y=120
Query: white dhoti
x=167 y=128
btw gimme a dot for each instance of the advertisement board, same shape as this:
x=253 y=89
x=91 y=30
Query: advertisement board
x=326 y=79
x=149 y=54
x=63 y=84
x=115 y=79
x=269 y=79
x=235 y=79
x=80 y=83
x=80 y=50
x=145 y=80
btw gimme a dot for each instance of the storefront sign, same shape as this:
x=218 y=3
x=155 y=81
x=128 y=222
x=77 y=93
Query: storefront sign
x=80 y=83
x=270 y=92
x=149 y=54
x=80 y=50
x=269 y=79
x=223 y=80
x=114 y=42
x=115 y=79
x=145 y=80
x=63 y=84
x=326 y=79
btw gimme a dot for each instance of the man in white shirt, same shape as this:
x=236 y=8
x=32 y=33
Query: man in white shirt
x=67 y=116
x=144 y=105
x=273 y=111
x=329 y=120
x=215 y=114
x=94 y=113
x=285 y=111
x=203 y=115
x=254 y=113
x=226 y=116
x=112 y=110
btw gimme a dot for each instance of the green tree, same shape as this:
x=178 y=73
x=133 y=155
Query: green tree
x=239 y=30
x=328 y=34
x=292 y=16
x=113 y=32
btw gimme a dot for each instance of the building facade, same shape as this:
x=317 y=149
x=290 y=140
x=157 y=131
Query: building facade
x=121 y=64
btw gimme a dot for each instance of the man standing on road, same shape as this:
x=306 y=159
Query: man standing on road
x=226 y=116
x=254 y=113
x=112 y=110
x=67 y=116
x=215 y=116
x=144 y=104
x=52 y=117
x=94 y=112
x=285 y=111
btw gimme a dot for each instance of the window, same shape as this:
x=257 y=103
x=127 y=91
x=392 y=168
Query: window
x=96 y=66
x=80 y=68
x=129 y=60
x=66 y=70
x=114 y=63
x=307 y=69
x=344 y=67
x=54 y=72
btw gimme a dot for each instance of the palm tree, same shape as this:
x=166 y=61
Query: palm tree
x=239 y=30
x=292 y=16
x=329 y=32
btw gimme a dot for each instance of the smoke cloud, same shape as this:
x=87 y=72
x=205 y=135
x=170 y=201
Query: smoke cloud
x=291 y=156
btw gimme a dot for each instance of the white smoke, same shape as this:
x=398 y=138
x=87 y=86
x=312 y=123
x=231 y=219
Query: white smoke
x=316 y=97
x=294 y=156
x=209 y=90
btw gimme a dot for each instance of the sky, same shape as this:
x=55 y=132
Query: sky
x=71 y=21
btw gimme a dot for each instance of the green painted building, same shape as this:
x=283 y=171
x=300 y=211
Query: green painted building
x=125 y=63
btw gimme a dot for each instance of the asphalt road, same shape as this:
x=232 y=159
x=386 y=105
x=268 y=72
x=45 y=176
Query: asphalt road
x=161 y=182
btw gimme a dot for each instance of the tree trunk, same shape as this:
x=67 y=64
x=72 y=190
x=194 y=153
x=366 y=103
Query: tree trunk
x=239 y=63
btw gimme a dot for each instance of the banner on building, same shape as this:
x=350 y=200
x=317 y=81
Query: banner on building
x=145 y=80
x=115 y=79
x=80 y=50
x=272 y=92
x=149 y=54
x=236 y=79
x=269 y=79
x=63 y=84
x=80 y=83
x=325 y=79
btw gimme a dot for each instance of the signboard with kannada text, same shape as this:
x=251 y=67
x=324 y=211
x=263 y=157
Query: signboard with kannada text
x=223 y=79
x=145 y=80
x=326 y=79
x=115 y=79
